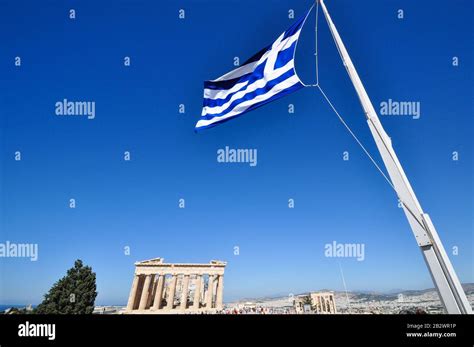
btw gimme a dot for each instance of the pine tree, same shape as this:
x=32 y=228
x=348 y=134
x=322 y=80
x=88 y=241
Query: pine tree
x=75 y=293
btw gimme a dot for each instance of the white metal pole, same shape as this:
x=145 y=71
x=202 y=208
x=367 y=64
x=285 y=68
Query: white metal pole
x=442 y=272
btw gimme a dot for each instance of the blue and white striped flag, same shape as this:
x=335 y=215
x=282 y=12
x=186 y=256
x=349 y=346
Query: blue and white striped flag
x=267 y=76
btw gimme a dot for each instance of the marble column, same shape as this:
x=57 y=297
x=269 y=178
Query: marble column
x=145 y=293
x=133 y=293
x=184 y=293
x=151 y=291
x=197 y=292
x=170 y=299
x=220 y=292
x=210 y=286
x=203 y=291
x=159 y=292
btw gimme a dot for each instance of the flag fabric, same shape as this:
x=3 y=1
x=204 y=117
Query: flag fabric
x=268 y=75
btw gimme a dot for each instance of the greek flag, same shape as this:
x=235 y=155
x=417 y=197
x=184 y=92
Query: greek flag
x=268 y=75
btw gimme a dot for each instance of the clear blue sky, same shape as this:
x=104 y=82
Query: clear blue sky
x=135 y=203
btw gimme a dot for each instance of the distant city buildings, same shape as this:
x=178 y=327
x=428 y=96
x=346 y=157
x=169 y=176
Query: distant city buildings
x=160 y=287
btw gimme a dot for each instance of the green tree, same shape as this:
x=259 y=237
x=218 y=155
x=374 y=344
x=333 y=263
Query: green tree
x=75 y=293
x=307 y=300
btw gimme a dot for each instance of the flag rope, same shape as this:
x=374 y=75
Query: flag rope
x=316 y=4
x=370 y=157
x=334 y=109
x=355 y=137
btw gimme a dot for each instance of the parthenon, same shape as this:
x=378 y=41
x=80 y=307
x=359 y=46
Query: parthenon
x=159 y=287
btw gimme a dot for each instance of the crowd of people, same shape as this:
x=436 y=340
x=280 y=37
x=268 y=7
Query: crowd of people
x=257 y=310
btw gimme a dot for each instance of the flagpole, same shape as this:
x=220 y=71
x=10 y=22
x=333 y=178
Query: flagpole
x=316 y=39
x=442 y=272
